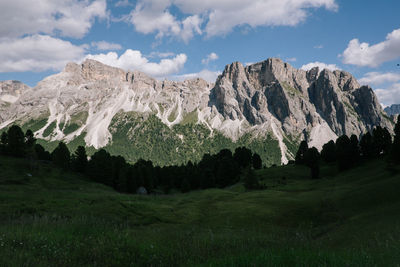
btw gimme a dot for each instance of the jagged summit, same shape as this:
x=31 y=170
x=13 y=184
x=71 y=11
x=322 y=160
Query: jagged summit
x=268 y=99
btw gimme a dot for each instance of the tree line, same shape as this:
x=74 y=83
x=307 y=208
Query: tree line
x=349 y=152
x=212 y=171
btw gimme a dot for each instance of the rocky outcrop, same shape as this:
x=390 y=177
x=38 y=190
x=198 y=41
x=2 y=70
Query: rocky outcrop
x=300 y=100
x=11 y=90
x=393 y=109
x=267 y=98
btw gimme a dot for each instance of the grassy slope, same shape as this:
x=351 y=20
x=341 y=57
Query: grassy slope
x=58 y=218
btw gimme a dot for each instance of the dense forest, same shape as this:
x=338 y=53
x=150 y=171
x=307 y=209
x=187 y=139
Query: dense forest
x=220 y=170
x=212 y=171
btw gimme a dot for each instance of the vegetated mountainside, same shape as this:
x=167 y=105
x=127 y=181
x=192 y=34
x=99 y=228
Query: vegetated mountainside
x=53 y=217
x=268 y=106
x=393 y=109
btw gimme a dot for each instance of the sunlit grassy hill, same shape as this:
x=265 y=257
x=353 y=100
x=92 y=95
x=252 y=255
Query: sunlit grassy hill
x=54 y=218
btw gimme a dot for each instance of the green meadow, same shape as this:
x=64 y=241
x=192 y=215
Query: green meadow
x=50 y=217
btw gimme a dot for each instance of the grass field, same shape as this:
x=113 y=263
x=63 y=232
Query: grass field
x=55 y=218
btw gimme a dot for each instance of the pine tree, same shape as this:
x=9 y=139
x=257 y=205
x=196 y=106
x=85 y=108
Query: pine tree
x=395 y=150
x=257 y=162
x=328 y=152
x=242 y=156
x=3 y=143
x=354 y=149
x=343 y=152
x=301 y=152
x=311 y=159
x=80 y=160
x=382 y=141
x=30 y=152
x=41 y=153
x=99 y=167
x=16 y=141
x=367 y=146
x=61 y=156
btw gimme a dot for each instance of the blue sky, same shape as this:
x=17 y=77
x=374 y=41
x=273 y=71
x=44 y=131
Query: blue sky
x=179 y=39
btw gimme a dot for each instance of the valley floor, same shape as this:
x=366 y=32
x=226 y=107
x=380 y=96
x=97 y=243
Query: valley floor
x=53 y=218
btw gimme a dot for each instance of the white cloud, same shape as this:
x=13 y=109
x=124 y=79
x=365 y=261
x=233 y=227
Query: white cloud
x=377 y=78
x=318 y=46
x=291 y=59
x=390 y=95
x=152 y=16
x=161 y=54
x=72 y=18
x=210 y=76
x=134 y=60
x=103 y=45
x=210 y=57
x=123 y=3
x=37 y=53
x=362 y=54
x=219 y=17
x=190 y=25
x=320 y=65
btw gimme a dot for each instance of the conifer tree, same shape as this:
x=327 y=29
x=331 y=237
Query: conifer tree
x=80 y=160
x=61 y=156
x=16 y=141
x=395 y=150
x=257 y=162
x=343 y=152
x=328 y=153
x=3 y=143
x=301 y=152
x=367 y=146
x=311 y=159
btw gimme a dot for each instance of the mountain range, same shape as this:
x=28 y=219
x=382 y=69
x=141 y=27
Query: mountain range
x=392 y=109
x=267 y=106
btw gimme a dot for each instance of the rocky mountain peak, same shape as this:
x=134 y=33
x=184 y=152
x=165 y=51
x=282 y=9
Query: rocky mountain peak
x=268 y=98
x=11 y=90
x=393 y=109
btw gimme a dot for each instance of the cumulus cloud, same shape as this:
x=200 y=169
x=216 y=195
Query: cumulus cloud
x=364 y=54
x=134 y=60
x=72 y=18
x=122 y=3
x=103 y=45
x=210 y=76
x=219 y=17
x=390 y=95
x=37 y=53
x=161 y=54
x=210 y=57
x=377 y=78
x=320 y=65
x=152 y=16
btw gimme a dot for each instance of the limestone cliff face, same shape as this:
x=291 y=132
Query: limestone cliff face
x=300 y=100
x=269 y=97
x=393 y=110
x=10 y=92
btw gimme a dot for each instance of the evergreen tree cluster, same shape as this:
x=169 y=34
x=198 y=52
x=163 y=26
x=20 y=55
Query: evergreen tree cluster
x=349 y=152
x=219 y=170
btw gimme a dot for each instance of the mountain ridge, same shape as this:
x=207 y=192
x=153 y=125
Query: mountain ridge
x=265 y=100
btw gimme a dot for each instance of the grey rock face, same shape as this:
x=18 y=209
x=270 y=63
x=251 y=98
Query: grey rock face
x=269 y=97
x=300 y=100
x=10 y=92
x=393 y=109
